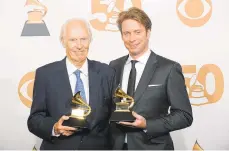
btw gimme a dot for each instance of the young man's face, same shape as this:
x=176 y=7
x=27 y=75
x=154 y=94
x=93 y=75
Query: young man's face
x=135 y=37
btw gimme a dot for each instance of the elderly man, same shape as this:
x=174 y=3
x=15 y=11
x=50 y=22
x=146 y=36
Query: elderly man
x=57 y=82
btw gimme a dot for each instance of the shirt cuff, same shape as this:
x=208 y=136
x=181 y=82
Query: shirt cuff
x=53 y=133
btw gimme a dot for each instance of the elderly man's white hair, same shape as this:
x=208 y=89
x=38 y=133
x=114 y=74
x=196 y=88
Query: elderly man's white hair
x=64 y=26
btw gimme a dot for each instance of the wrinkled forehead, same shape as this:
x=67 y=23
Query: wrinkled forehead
x=77 y=29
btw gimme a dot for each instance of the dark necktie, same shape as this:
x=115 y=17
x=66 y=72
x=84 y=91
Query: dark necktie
x=132 y=79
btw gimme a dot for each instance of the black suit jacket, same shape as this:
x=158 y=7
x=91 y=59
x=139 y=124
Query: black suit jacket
x=161 y=87
x=52 y=97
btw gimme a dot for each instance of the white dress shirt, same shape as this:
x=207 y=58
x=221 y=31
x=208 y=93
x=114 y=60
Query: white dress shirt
x=72 y=78
x=83 y=75
x=140 y=66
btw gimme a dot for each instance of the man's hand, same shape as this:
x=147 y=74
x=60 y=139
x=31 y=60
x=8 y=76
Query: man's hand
x=139 y=122
x=59 y=129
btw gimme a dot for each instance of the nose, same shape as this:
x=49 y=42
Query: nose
x=132 y=37
x=79 y=44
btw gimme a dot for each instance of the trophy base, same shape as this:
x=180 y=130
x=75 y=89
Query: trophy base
x=119 y=116
x=77 y=123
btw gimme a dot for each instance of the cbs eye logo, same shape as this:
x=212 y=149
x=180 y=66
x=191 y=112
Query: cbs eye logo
x=194 y=13
x=205 y=86
x=104 y=13
x=25 y=89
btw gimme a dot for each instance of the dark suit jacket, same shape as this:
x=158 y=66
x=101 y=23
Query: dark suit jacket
x=52 y=97
x=161 y=86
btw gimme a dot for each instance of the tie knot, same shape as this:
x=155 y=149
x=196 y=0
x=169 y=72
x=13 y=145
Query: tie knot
x=77 y=73
x=133 y=62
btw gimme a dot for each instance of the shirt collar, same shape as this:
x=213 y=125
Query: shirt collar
x=71 y=68
x=143 y=59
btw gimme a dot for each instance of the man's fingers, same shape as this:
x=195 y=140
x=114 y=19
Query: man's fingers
x=61 y=131
x=58 y=126
x=62 y=119
x=67 y=133
x=126 y=123
x=137 y=116
x=67 y=128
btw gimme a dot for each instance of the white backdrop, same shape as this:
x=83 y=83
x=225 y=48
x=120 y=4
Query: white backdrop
x=192 y=32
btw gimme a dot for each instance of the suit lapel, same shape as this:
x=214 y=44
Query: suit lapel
x=94 y=87
x=146 y=77
x=63 y=84
x=119 y=70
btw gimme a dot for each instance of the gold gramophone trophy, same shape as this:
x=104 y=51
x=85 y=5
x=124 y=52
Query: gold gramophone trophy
x=122 y=111
x=79 y=111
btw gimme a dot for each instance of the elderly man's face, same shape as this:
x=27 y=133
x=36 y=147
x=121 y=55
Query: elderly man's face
x=76 y=41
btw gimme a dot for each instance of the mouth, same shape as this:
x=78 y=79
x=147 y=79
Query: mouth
x=134 y=46
x=76 y=50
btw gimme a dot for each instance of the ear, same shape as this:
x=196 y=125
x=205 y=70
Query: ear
x=63 y=41
x=148 y=33
x=121 y=35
